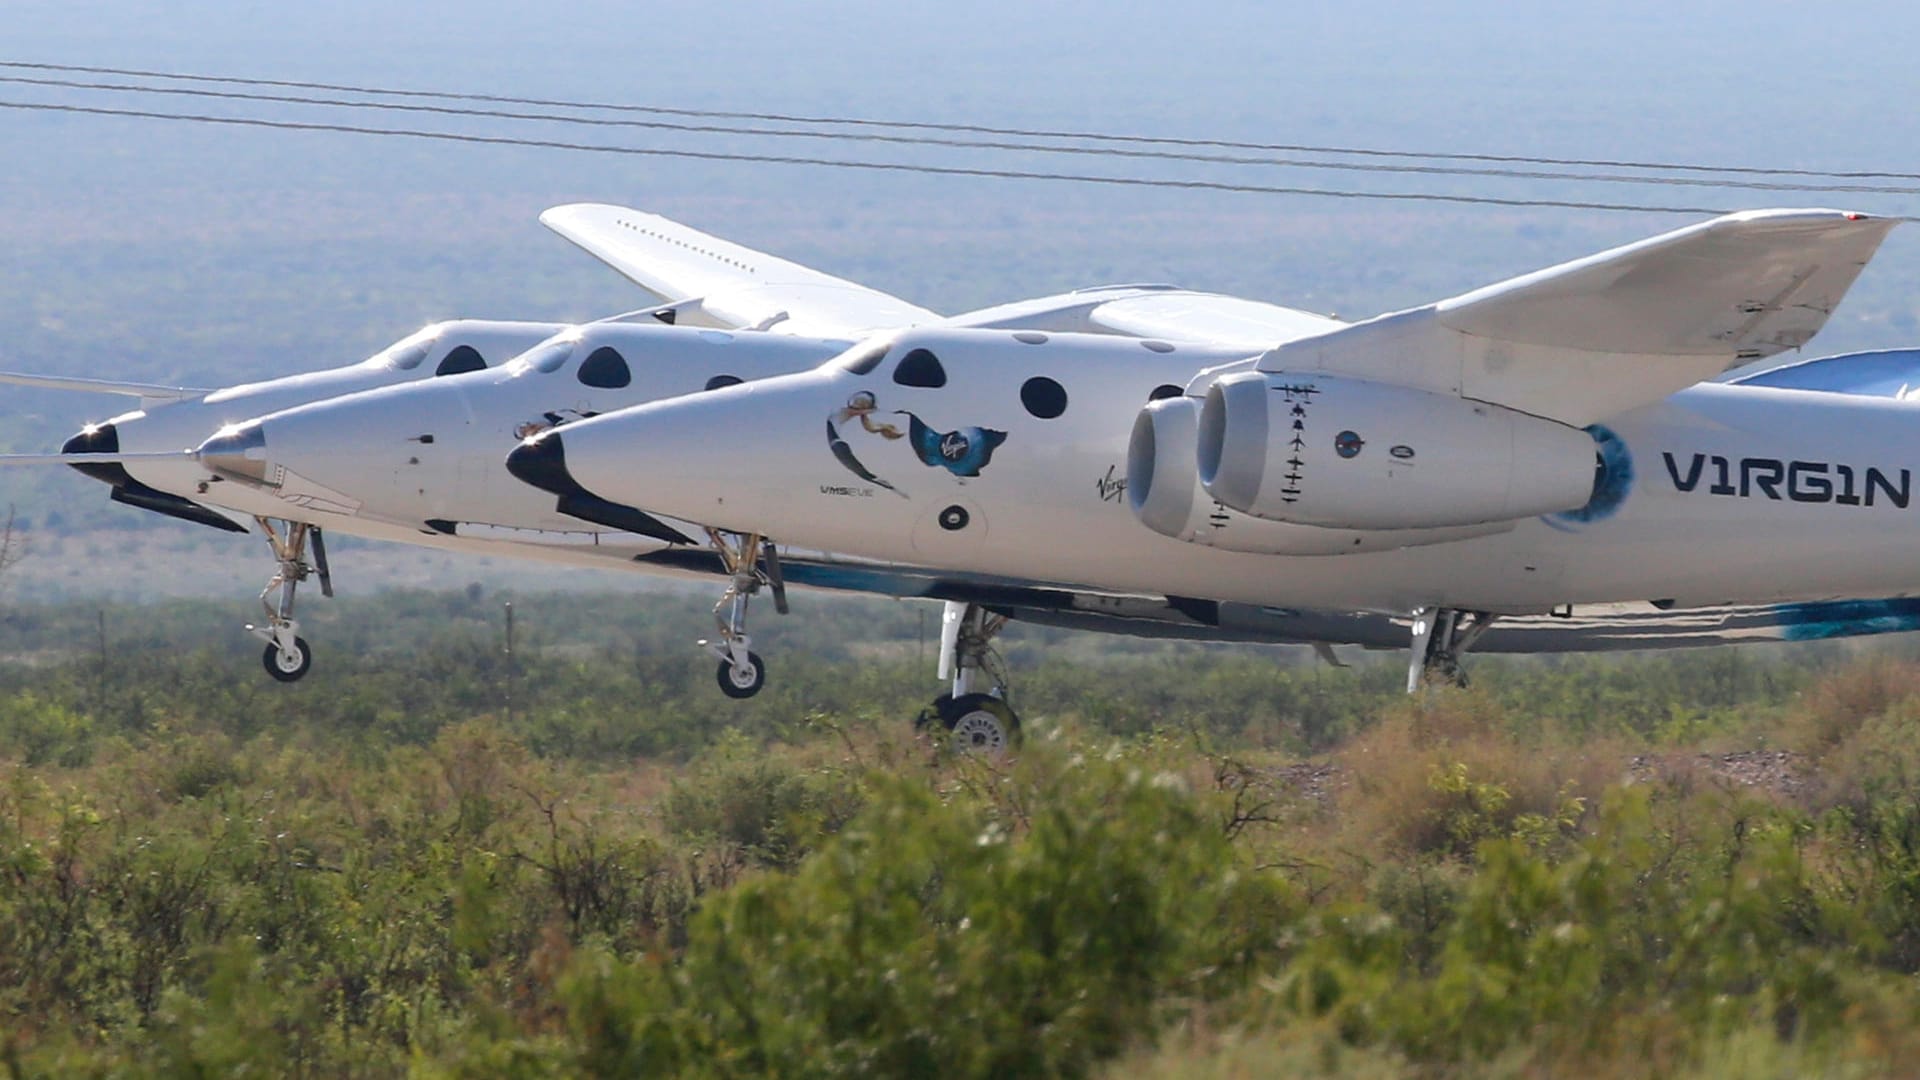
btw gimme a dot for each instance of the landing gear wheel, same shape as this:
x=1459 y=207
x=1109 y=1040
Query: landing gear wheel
x=288 y=667
x=742 y=682
x=979 y=724
x=934 y=715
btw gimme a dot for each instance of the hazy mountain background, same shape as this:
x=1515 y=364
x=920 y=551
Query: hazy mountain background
x=200 y=254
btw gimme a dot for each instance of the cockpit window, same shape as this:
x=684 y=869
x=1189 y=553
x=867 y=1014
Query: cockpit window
x=862 y=359
x=407 y=355
x=605 y=368
x=543 y=358
x=460 y=360
x=920 y=368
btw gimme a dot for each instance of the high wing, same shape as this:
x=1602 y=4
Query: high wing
x=151 y=392
x=1156 y=311
x=1593 y=628
x=707 y=281
x=1594 y=337
x=1601 y=628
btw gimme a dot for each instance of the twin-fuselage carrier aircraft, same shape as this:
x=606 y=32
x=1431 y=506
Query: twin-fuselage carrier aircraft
x=1532 y=466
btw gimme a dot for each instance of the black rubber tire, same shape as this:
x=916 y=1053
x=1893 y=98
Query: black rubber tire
x=935 y=715
x=271 y=661
x=980 y=724
x=737 y=689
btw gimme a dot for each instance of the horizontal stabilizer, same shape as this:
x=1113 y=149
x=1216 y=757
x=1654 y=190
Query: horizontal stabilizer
x=723 y=284
x=149 y=391
x=97 y=459
x=1597 y=336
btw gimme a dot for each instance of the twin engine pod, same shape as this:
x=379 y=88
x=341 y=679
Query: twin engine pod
x=1310 y=464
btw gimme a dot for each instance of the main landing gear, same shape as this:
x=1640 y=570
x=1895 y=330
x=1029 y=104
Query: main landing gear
x=753 y=563
x=975 y=713
x=287 y=656
x=1440 y=637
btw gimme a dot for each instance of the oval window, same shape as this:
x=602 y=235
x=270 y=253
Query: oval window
x=862 y=361
x=459 y=361
x=407 y=355
x=920 y=368
x=1043 y=397
x=606 y=369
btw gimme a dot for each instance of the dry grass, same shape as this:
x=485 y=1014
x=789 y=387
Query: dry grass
x=1442 y=771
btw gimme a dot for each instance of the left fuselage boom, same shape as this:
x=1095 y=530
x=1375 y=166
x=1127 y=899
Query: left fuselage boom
x=1014 y=464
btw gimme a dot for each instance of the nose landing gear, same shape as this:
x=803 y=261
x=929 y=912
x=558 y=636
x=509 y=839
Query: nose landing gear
x=288 y=656
x=975 y=714
x=753 y=563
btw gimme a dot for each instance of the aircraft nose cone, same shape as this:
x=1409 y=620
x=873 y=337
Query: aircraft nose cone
x=98 y=439
x=238 y=451
x=542 y=462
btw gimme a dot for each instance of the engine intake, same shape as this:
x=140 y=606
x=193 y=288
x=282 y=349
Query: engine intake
x=1163 y=489
x=1341 y=453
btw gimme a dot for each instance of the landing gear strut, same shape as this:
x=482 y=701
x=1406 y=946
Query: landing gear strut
x=287 y=656
x=1440 y=637
x=975 y=713
x=753 y=563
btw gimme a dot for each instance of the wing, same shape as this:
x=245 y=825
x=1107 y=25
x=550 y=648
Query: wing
x=1156 y=311
x=1600 y=628
x=144 y=391
x=1596 y=628
x=713 y=282
x=1594 y=337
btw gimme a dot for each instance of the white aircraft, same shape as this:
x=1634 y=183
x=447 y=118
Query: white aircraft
x=422 y=464
x=360 y=462
x=150 y=457
x=1510 y=453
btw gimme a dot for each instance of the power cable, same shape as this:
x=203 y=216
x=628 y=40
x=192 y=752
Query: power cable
x=975 y=144
x=977 y=129
x=878 y=166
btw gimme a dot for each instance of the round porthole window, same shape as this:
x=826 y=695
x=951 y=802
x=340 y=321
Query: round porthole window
x=1043 y=397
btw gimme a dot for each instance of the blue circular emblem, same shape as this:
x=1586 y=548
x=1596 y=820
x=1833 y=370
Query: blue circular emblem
x=1348 y=443
x=954 y=446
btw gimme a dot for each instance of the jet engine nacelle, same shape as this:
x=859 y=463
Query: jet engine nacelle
x=1341 y=453
x=1163 y=488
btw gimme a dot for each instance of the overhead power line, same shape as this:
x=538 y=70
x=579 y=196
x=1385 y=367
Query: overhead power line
x=975 y=129
x=877 y=166
x=979 y=144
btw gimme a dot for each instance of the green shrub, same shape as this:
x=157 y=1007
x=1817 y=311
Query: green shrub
x=1029 y=935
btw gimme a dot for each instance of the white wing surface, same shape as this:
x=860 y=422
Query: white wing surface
x=144 y=391
x=715 y=282
x=1208 y=317
x=1597 y=336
